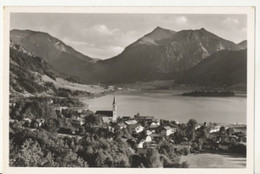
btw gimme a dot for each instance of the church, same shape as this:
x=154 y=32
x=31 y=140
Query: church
x=109 y=115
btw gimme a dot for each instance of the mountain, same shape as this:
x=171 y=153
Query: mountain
x=225 y=67
x=61 y=56
x=159 y=55
x=32 y=75
x=158 y=34
x=242 y=45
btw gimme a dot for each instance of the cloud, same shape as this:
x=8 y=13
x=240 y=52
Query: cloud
x=103 y=51
x=103 y=29
x=181 y=20
x=230 y=21
x=68 y=41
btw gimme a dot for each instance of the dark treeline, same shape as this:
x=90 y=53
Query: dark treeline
x=203 y=93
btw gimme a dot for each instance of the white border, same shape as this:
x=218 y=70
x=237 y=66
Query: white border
x=175 y=10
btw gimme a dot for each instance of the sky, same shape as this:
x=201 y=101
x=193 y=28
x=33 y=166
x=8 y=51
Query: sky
x=106 y=35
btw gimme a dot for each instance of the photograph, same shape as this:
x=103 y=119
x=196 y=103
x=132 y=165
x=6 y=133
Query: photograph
x=129 y=89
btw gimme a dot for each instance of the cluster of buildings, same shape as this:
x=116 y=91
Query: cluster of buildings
x=145 y=131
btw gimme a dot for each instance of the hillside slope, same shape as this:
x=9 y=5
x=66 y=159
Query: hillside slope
x=61 y=56
x=223 y=68
x=31 y=75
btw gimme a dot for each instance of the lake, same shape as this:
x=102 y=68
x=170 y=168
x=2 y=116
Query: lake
x=170 y=105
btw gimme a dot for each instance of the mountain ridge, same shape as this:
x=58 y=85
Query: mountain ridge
x=158 y=55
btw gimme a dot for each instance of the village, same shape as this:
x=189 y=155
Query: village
x=143 y=132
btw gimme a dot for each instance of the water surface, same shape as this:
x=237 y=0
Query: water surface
x=172 y=106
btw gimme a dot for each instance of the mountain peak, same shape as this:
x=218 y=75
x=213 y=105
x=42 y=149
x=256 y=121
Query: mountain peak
x=160 y=29
x=157 y=34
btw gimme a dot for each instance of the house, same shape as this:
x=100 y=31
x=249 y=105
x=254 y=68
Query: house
x=121 y=125
x=214 y=129
x=197 y=127
x=167 y=130
x=139 y=129
x=81 y=121
x=140 y=144
x=154 y=124
x=111 y=129
x=40 y=122
x=106 y=119
x=26 y=121
x=148 y=139
x=148 y=132
x=106 y=113
x=131 y=122
x=135 y=128
x=50 y=101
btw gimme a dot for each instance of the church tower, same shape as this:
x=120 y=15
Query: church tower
x=114 y=119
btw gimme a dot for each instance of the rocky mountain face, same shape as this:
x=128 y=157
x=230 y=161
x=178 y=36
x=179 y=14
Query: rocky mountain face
x=160 y=54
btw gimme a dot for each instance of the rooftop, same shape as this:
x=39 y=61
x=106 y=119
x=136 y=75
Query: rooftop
x=129 y=122
x=105 y=113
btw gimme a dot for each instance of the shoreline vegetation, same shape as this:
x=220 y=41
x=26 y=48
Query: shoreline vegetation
x=207 y=93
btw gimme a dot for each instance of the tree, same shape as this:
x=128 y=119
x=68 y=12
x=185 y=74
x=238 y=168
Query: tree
x=192 y=123
x=222 y=131
x=153 y=158
x=29 y=155
x=230 y=131
x=100 y=160
x=137 y=161
x=167 y=149
x=82 y=130
x=52 y=124
x=68 y=158
x=178 y=136
x=203 y=133
x=191 y=129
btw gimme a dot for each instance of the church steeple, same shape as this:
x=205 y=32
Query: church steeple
x=114 y=119
x=114 y=101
